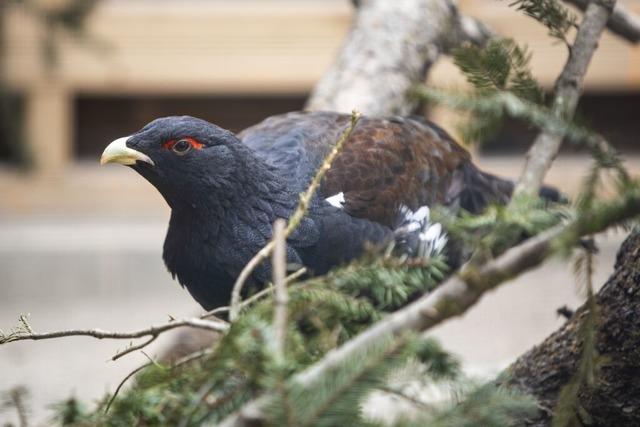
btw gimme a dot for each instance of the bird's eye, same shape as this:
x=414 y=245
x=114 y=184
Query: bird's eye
x=181 y=147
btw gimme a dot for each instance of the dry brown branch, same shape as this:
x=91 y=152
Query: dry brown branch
x=623 y=22
x=458 y=293
x=567 y=92
x=294 y=220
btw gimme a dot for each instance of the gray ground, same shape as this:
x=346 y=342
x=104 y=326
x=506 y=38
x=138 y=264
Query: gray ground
x=104 y=270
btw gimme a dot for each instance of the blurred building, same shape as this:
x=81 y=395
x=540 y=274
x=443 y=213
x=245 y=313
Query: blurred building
x=236 y=62
x=80 y=245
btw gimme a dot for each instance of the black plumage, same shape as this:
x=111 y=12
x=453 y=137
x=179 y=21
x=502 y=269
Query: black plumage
x=225 y=191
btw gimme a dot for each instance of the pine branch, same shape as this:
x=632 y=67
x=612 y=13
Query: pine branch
x=486 y=406
x=549 y=13
x=182 y=361
x=460 y=292
x=294 y=220
x=568 y=88
x=500 y=103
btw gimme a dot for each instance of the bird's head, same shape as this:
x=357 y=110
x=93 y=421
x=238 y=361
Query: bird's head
x=185 y=158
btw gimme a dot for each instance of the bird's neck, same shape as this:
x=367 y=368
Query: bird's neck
x=209 y=241
x=255 y=192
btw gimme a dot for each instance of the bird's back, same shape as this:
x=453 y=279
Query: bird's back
x=385 y=164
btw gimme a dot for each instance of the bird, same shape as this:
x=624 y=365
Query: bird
x=226 y=190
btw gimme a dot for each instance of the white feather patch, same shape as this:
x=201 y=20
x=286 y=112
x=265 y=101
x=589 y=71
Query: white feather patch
x=336 y=200
x=431 y=237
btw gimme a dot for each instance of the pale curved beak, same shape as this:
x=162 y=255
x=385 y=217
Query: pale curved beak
x=118 y=152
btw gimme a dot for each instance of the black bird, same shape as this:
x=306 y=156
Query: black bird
x=225 y=190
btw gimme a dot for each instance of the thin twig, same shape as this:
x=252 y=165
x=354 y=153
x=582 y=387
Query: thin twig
x=218 y=326
x=186 y=359
x=567 y=92
x=124 y=380
x=294 y=220
x=457 y=294
x=134 y=348
x=266 y=291
x=281 y=298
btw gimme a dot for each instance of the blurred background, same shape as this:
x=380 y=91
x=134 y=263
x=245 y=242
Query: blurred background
x=80 y=245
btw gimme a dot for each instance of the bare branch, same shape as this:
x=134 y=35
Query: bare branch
x=153 y=331
x=281 y=297
x=133 y=348
x=294 y=220
x=567 y=92
x=623 y=22
x=459 y=292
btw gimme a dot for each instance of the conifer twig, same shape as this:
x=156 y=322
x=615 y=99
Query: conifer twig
x=567 y=92
x=186 y=359
x=294 y=220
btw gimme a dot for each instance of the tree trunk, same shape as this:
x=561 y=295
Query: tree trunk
x=390 y=47
x=614 y=398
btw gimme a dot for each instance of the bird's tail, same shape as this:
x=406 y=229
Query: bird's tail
x=474 y=189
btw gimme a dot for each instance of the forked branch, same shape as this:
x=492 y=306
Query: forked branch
x=152 y=332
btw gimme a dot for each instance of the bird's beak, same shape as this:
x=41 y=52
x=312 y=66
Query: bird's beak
x=118 y=152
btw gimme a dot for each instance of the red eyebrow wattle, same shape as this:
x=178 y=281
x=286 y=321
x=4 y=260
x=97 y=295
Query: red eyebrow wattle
x=194 y=143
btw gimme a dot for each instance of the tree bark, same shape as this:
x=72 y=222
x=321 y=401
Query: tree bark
x=614 y=397
x=391 y=47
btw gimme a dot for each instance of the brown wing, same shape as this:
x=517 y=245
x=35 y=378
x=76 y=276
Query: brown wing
x=389 y=162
